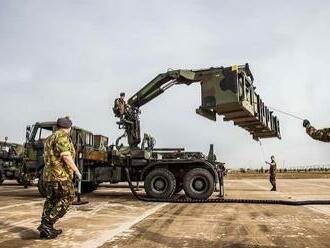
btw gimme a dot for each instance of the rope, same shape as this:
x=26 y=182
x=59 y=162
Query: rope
x=286 y=113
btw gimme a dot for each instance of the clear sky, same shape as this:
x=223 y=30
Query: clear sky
x=74 y=57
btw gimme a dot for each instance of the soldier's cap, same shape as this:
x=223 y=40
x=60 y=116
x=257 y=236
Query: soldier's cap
x=64 y=122
x=122 y=93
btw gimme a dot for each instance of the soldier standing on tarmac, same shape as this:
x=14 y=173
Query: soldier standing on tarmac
x=272 y=172
x=120 y=106
x=320 y=134
x=59 y=167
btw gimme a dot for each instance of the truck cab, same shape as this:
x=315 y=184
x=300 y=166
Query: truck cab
x=90 y=150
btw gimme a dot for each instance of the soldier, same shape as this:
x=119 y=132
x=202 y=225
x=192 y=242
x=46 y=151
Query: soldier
x=320 y=134
x=272 y=172
x=120 y=106
x=59 y=167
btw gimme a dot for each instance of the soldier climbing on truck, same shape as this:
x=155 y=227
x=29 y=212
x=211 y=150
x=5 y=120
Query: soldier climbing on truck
x=120 y=106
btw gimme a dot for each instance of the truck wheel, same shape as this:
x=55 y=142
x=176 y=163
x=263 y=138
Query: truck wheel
x=160 y=183
x=88 y=187
x=198 y=184
x=41 y=186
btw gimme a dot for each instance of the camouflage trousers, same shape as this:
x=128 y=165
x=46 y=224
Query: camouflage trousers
x=59 y=196
x=272 y=180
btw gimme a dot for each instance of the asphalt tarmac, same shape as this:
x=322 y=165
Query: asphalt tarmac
x=113 y=218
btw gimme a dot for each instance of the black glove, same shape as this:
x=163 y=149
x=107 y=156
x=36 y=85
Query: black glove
x=306 y=124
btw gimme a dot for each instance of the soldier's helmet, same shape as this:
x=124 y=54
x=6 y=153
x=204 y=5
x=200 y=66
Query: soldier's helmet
x=122 y=94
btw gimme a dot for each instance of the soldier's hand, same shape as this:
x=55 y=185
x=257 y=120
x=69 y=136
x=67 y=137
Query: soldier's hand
x=306 y=124
x=78 y=174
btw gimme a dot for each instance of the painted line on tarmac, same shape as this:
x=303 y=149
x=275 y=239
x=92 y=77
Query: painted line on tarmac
x=21 y=204
x=107 y=236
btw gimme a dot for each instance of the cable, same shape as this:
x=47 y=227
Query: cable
x=286 y=113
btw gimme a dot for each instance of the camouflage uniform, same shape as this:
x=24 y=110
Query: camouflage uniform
x=272 y=174
x=321 y=134
x=57 y=176
x=120 y=107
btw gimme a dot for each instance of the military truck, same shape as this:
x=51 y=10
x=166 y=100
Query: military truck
x=11 y=156
x=100 y=163
x=91 y=152
x=226 y=91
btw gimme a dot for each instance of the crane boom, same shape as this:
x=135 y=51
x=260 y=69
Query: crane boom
x=226 y=91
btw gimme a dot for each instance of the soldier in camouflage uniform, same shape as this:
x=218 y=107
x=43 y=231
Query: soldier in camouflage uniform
x=120 y=106
x=272 y=172
x=317 y=134
x=59 y=167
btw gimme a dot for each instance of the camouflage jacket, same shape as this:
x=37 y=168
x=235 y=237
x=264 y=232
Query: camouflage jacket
x=57 y=145
x=272 y=168
x=321 y=134
x=120 y=107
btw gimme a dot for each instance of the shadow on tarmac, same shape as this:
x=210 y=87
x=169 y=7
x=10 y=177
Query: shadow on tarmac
x=23 y=232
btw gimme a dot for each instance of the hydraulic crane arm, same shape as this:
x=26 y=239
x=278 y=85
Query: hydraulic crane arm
x=164 y=81
x=227 y=91
x=160 y=84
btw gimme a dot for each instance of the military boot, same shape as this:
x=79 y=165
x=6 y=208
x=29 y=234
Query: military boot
x=46 y=230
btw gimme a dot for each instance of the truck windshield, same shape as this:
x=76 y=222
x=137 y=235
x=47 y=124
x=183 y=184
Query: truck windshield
x=41 y=133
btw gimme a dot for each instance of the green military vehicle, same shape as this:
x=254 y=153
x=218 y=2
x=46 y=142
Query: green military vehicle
x=11 y=155
x=100 y=163
x=91 y=152
x=229 y=92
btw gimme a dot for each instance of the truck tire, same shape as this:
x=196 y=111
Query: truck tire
x=41 y=186
x=160 y=183
x=88 y=187
x=198 y=184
